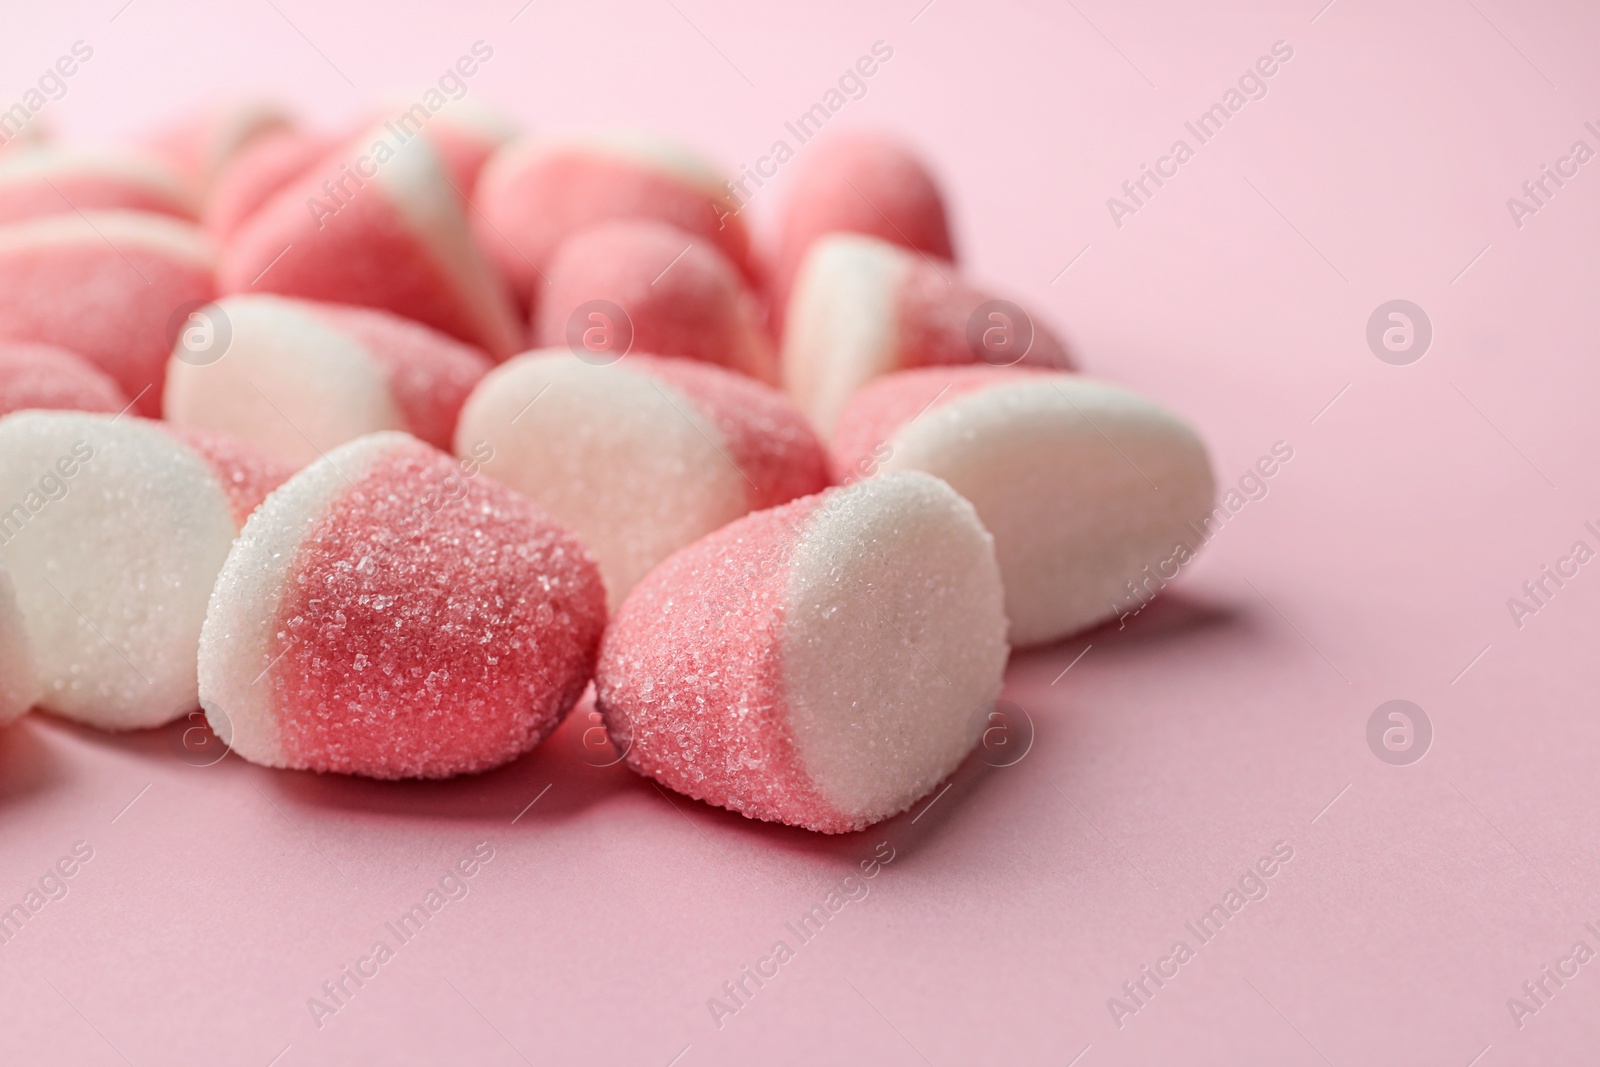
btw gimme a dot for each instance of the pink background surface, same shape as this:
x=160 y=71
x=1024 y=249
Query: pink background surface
x=1172 y=755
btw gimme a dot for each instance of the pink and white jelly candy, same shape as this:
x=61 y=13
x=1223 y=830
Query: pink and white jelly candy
x=199 y=146
x=532 y=196
x=676 y=293
x=257 y=172
x=861 y=182
x=389 y=612
x=376 y=224
x=1095 y=495
x=817 y=664
x=639 y=457
x=44 y=376
x=51 y=181
x=108 y=286
x=861 y=307
x=113 y=529
x=297 y=378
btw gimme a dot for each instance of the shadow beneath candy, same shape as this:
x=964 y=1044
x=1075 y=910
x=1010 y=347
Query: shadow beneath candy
x=1170 y=618
x=901 y=838
x=27 y=764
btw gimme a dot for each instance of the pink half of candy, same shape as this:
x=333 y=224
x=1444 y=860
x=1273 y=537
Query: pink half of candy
x=673 y=294
x=49 y=181
x=532 y=197
x=378 y=225
x=108 y=286
x=297 y=378
x=199 y=146
x=640 y=457
x=44 y=376
x=861 y=307
x=259 y=171
x=1096 y=496
x=393 y=613
x=822 y=664
x=113 y=529
x=867 y=183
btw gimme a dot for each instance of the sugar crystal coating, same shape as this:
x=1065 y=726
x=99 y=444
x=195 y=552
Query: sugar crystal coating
x=398 y=243
x=639 y=457
x=681 y=295
x=411 y=621
x=1095 y=495
x=862 y=182
x=114 y=529
x=531 y=197
x=104 y=285
x=298 y=377
x=817 y=664
x=861 y=307
x=44 y=376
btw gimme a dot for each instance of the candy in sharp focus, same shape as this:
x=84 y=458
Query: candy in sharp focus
x=258 y=172
x=44 y=376
x=298 y=377
x=199 y=146
x=113 y=529
x=639 y=457
x=861 y=182
x=680 y=297
x=377 y=224
x=861 y=307
x=818 y=664
x=106 y=285
x=1089 y=489
x=532 y=196
x=19 y=673
x=393 y=613
x=51 y=181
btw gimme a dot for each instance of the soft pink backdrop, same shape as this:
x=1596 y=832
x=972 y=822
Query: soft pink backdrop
x=1171 y=755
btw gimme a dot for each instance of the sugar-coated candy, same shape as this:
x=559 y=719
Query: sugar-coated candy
x=639 y=457
x=19 y=673
x=44 y=376
x=819 y=664
x=532 y=196
x=678 y=295
x=52 y=181
x=862 y=307
x=1095 y=495
x=199 y=146
x=258 y=172
x=108 y=286
x=861 y=182
x=376 y=224
x=297 y=378
x=465 y=133
x=113 y=529
x=393 y=613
